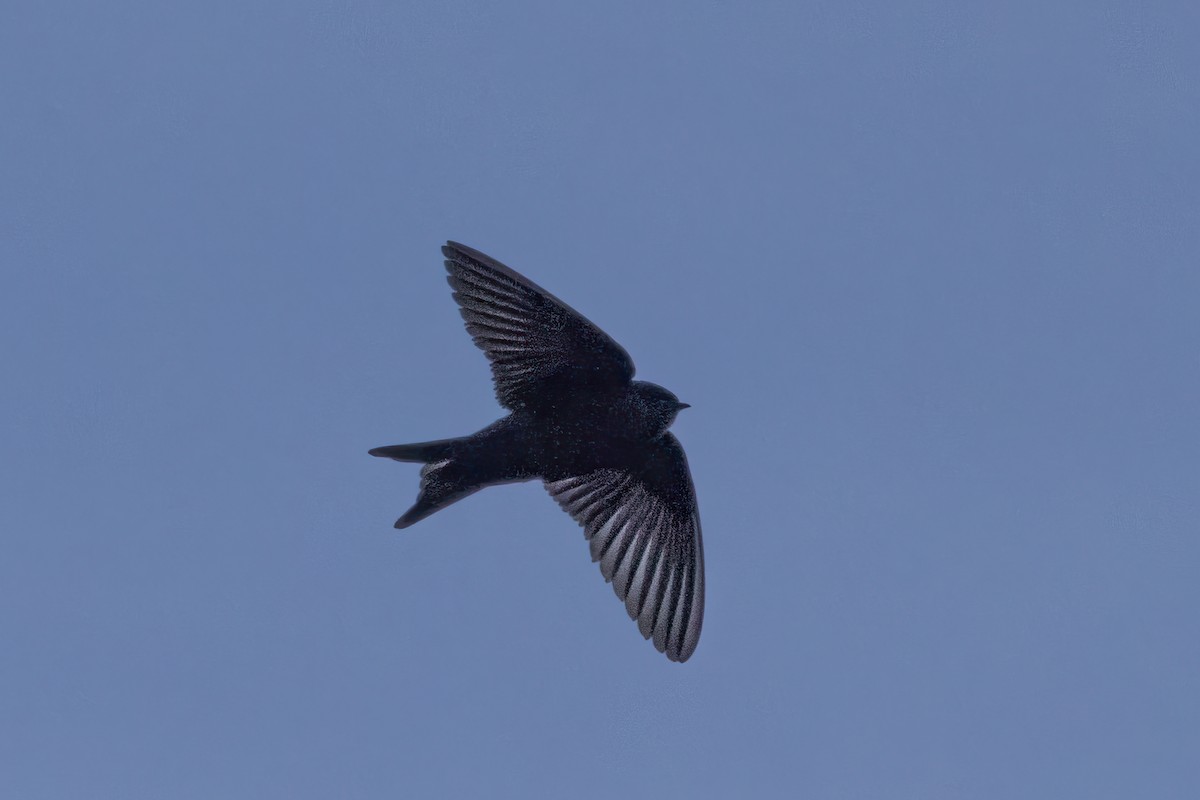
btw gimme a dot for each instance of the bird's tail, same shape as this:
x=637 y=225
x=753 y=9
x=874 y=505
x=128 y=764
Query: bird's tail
x=422 y=452
x=443 y=479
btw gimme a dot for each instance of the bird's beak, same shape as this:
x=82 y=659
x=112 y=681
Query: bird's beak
x=682 y=406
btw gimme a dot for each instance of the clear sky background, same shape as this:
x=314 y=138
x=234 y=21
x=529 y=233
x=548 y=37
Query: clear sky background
x=928 y=274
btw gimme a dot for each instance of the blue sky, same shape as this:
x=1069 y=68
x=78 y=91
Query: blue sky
x=926 y=272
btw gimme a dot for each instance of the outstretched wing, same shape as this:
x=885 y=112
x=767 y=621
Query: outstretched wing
x=644 y=529
x=538 y=346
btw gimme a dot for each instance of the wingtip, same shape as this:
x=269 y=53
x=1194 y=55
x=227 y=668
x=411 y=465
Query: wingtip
x=457 y=251
x=681 y=653
x=452 y=248
x=684 y=654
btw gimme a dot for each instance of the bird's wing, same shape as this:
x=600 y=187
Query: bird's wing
x=644 y=529
x=536 y=343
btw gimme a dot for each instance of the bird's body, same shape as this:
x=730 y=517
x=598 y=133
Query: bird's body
x=580 y=435
x=597 y=438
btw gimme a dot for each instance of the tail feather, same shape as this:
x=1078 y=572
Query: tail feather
x=443 y=479
x=423 y=452
x=442 y=483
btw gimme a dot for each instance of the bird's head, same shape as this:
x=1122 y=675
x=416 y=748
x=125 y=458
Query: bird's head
x=658 y=406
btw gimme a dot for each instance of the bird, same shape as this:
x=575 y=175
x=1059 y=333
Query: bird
x=596 y=438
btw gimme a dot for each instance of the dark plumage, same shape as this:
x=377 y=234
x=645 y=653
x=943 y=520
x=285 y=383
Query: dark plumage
x=597 y=438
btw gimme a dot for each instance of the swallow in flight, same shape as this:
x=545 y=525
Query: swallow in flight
x=595 y=437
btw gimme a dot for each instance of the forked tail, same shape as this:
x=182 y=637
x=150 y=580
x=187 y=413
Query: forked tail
x=443 y=479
